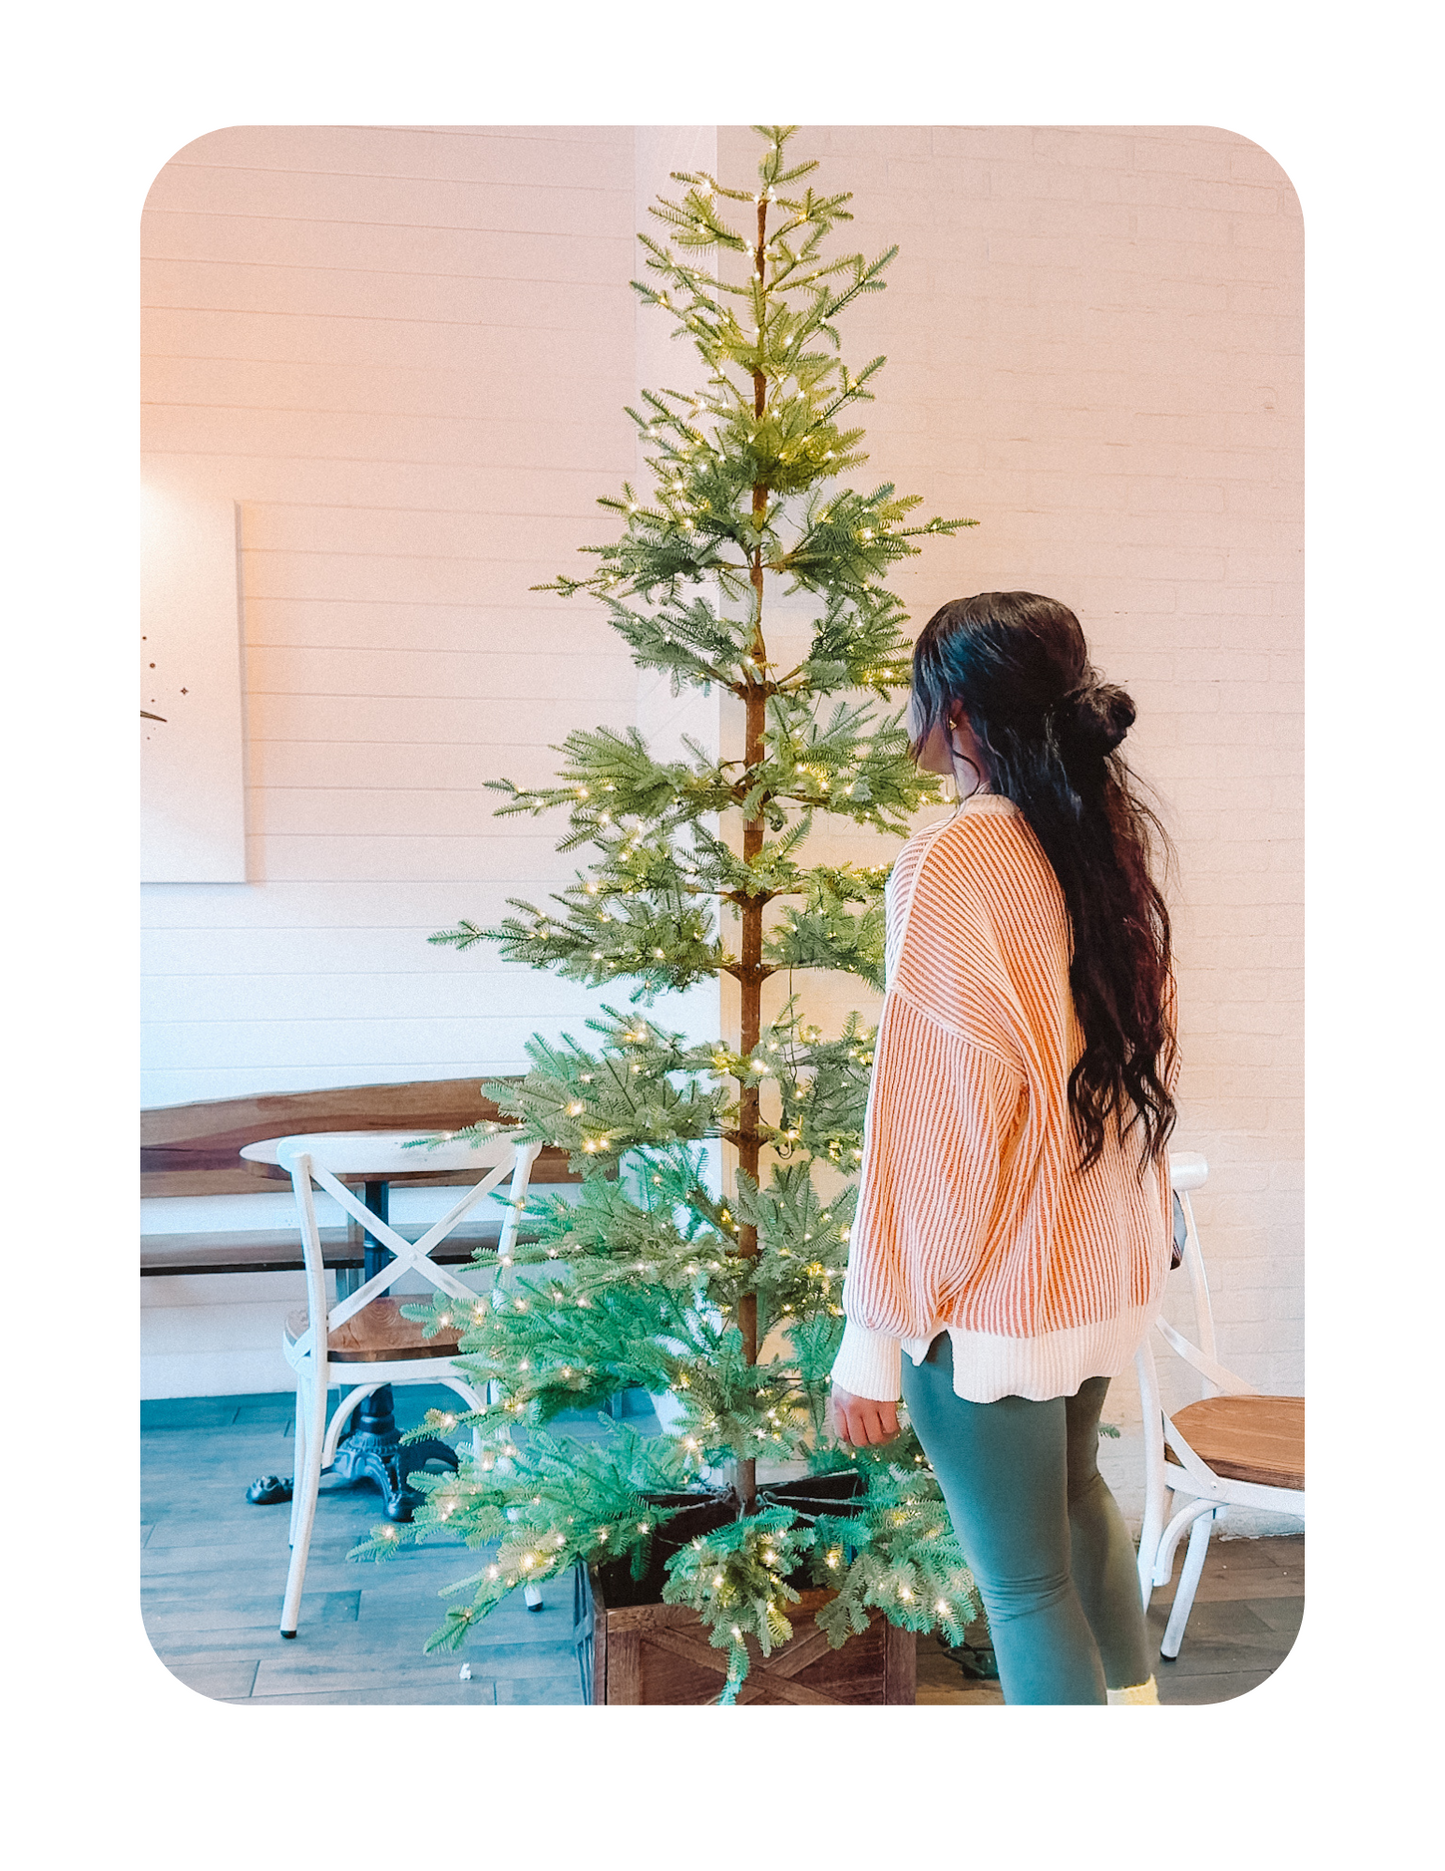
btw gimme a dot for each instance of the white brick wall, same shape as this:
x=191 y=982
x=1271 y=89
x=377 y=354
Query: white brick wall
x=1094 y=345
x=405 y=352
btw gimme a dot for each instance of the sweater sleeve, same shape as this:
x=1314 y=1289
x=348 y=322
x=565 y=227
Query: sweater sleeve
x=942 y=1114
x=943 y=1111
x=869 y=1364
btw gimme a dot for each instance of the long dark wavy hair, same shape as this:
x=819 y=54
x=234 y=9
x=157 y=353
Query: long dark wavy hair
x=1050 y=729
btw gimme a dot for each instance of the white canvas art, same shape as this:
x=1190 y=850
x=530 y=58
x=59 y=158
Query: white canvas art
x=192 y=728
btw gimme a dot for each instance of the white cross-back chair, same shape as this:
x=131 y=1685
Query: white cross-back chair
x=1233 y=1448
x=365 y=1328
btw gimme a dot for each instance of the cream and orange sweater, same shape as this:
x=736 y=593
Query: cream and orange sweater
x=973 y=1216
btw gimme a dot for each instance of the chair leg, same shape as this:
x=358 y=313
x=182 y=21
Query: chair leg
x=1188 y=1585
x=298 y=1463
x=304 y=1490
x=1150 y=1534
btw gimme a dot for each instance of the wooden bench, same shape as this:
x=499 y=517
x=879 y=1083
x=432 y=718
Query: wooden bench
x=193 y=1149
x=279 y=1251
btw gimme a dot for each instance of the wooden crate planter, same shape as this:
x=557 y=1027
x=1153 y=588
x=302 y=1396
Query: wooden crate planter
x=661 y=1654
x=632 y=1648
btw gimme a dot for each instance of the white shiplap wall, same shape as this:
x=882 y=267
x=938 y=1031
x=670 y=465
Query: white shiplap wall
x=405 y=354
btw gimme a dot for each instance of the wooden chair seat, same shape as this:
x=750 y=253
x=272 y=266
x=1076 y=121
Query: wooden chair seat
x=1259 y=1439
x=378 y=1334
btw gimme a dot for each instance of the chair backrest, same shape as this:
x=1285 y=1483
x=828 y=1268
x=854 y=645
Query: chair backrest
x=1190 y=1474
x=1189 y=1171
x=323 y=1158
x=377 y=1154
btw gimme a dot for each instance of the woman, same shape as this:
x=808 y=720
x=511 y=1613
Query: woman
x=1013 y=1223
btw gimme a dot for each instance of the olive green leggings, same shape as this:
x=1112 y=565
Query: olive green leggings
x=1041 y=1531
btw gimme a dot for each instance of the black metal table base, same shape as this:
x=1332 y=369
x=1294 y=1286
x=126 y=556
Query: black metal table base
x=371 y=1453
x=386 y=1464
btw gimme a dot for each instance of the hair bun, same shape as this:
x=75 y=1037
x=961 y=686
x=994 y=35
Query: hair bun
x=1094 y=718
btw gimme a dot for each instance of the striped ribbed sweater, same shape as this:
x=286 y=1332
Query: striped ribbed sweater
x=973 y=1215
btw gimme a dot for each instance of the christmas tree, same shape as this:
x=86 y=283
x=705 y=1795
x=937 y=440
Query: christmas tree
x=725 y=1298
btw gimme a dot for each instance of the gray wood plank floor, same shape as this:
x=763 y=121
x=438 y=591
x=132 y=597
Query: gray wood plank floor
x=213 y=1568
x=1245 y=1619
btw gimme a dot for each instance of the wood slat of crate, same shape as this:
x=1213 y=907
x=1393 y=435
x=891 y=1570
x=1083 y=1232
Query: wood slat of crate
x=660 y=1654
x=1259 y=1439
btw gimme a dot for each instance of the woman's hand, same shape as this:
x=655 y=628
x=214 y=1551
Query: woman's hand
x=860 y=1421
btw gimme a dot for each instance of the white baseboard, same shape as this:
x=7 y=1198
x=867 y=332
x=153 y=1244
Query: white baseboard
x=213 y=1374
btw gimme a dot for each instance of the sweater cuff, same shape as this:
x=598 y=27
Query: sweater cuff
x=869 y=1364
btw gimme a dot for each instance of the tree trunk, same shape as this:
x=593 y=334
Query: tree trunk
x=751 y=940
